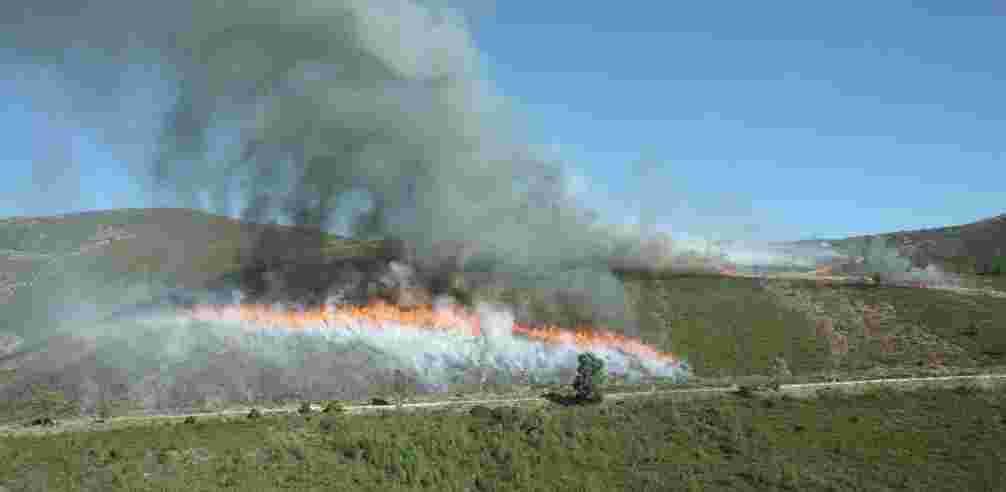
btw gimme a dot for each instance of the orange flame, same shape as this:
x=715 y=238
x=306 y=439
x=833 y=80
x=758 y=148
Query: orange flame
x=428 y=318
x=453 y=319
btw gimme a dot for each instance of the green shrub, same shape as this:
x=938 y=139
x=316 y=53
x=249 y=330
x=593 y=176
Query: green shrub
x=334 y=407
x=590 y=375
x=305 y=408
x=329 y=423
x=998 y=265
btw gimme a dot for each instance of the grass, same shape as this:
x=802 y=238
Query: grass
x=722 y=326
x=736 y=326
x=997 y=282
x=882 y=440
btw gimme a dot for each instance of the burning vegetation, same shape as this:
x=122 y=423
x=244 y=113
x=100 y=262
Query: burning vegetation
x=440 y=342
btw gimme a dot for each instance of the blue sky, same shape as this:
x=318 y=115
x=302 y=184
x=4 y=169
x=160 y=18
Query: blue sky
x=773 y=120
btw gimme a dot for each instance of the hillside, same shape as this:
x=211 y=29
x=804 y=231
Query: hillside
x=71 y=272
x=968 y=249
x=188 y=247
x=733 y=326
x=114 y=258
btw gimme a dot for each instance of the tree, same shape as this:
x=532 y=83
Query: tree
x=590 y=375
x=998 y=266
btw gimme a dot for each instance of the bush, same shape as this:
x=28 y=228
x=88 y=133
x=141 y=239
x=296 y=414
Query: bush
x=998 y=266
x=329 y=423
x=254 y=413
x=590 y=375
x=42 y=421
x=334 y=407
x=305 y=408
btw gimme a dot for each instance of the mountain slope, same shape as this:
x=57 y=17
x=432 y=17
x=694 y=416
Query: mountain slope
x=966 y=249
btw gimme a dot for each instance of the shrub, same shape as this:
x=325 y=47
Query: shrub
x=481 y=411
x=590 y=375
x=998 y=266
x=305 y=408
x=334 y=407
x=104 y=410
x=780 y=368
x=42 y=421
x=329 y=423
x=254 y=413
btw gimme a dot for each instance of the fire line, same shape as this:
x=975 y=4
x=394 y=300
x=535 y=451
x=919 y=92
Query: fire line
x=453 y=320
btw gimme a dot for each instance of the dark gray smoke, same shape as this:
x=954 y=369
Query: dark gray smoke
x=303 y=112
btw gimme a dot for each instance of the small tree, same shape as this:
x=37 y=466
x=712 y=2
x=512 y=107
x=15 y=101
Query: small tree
x=590 y=375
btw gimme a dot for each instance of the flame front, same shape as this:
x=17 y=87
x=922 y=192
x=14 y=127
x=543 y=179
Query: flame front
x=449 y=320
x=377 y=314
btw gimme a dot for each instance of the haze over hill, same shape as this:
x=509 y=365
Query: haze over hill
x=71 y=273
x=964 y=248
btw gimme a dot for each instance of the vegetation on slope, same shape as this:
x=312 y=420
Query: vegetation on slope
x=723 y=326
x=882 y=440
x=733 y=326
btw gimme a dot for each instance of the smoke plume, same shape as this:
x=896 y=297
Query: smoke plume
x=370 y=116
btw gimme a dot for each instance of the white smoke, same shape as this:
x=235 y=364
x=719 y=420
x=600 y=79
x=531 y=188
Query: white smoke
x=437 y=356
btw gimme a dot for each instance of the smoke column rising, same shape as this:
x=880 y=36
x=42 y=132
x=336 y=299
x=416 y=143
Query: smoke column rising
x=369 y=115
x=299 y=111
x=316 y=100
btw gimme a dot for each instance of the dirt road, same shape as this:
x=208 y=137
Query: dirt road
x=804 y=390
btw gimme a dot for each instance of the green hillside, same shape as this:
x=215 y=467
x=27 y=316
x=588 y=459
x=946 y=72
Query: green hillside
x=729 y=326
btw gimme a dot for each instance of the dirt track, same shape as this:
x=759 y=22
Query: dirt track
x=803 y=390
